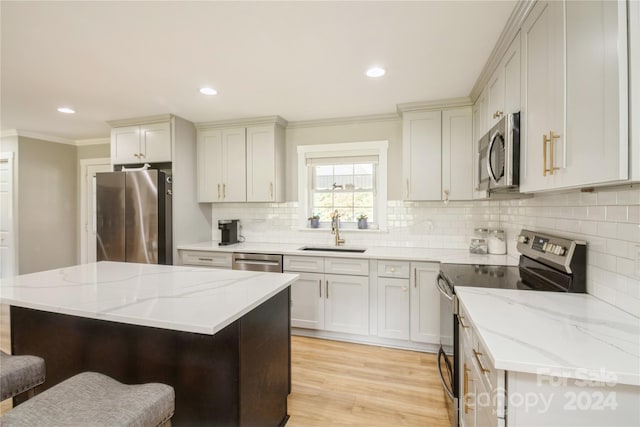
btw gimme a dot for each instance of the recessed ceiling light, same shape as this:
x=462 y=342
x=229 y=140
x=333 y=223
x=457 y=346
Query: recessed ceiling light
x=376 y=72
x=66 y=110
x=208 y=91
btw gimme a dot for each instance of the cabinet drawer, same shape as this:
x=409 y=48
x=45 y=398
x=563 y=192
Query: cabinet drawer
x=304 y=264
x=399 y=269
x=207 y=259
x=353 y=267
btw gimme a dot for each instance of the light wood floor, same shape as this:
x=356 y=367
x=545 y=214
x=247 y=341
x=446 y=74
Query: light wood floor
x=336 y=384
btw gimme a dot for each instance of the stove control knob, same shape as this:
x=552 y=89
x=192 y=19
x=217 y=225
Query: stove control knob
x=523 y=239
x=562 y=251
x=547 y=247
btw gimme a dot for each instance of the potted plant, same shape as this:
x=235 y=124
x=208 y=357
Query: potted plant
x=362 y=222
x=314 y=221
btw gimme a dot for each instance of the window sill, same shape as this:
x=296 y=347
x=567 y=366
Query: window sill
x=344 y=230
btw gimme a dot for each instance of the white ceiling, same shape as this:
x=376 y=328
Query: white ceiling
x=300 y=60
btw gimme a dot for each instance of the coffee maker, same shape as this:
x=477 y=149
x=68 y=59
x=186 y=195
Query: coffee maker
x=229 y=231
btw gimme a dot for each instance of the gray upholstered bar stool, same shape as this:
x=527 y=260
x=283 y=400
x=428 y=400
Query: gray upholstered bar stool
x=19 y=374
x=93 y=399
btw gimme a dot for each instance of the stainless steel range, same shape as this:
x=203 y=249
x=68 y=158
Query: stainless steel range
x=547 y=263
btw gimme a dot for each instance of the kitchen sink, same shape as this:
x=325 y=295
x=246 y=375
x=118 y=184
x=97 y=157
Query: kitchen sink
x=332 y=249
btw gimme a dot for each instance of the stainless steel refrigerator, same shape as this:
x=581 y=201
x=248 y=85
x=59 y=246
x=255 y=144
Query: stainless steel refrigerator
x=134 y=216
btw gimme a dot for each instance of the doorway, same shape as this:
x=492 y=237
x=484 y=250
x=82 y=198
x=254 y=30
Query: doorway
x=88 y=170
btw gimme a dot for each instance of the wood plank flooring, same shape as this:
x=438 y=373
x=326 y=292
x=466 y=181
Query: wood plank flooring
x=336 y=383
x=344 y=384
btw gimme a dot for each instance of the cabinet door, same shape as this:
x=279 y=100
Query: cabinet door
x=261 y=154
x=512 y=77
x=307 y=301
x=155 y=143
x=422 y=155
x=393 y=308
x=457 y=154
x=234 y=169
x=467 y=404
x=542 y=42
x=495 y=91
x=425 y=303
x=209 y=151
x=347 y=304
x=479 y=129
x=125 y=145
x=597 y=94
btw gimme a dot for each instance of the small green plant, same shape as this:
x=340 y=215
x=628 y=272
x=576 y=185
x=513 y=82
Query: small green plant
x=362 y=217
x=314 y=217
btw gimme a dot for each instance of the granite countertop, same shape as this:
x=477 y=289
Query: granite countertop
x=558 y=334
x=454 y=256
x=186 y=299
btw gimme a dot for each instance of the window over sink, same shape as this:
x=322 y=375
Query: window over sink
x=349 y=177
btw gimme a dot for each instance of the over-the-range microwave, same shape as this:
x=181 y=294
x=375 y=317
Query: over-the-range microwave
x=499 y=156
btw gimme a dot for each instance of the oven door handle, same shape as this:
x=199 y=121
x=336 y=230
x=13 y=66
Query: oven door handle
x=443 y=291
x=446 y=386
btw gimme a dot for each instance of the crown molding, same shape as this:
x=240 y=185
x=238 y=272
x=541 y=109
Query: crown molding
x=140 y=120
x=509 y=32
x=438 y=104
x=337 y=121
x=93 y=141
x=41 y=136
x=251 y=121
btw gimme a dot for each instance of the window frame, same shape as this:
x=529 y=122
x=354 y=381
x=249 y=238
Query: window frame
x=341 y=150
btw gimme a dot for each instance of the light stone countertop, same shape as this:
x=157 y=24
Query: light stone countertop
x=454 y=256
x=553 y=333
x=188 y=299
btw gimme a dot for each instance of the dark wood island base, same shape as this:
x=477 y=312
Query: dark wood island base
x=238 y=377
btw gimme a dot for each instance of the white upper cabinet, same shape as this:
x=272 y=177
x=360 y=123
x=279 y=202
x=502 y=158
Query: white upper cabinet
x=437 y=154
x=480 y=127
x=221 y=165
x=265 y=163
x=241 y=163
x=503 y=88
x=149 y=143
x=422 y=155
x=457 y=154
x=574 y=126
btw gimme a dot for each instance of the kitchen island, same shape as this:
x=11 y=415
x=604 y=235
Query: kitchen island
x=220 y=338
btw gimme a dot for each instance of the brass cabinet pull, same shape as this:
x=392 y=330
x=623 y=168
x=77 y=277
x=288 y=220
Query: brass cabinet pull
x=548 y=140
x=497 y=114
x=224 y=191
x=218 y=191
x=415 y=277
x=320 y=287
x=326 y=293
x=271 y=190
x=407 y=187
x=141 y=155
x=465 y=389
x=477 y=355
x=461 y=322
x=205 y=259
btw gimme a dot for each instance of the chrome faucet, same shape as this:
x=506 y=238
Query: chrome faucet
x=335 y=227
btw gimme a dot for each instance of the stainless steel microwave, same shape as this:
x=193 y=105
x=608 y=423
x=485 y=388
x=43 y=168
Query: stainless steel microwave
x=499 y=156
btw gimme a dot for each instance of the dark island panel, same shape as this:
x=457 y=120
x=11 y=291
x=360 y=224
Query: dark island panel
x=238 y=377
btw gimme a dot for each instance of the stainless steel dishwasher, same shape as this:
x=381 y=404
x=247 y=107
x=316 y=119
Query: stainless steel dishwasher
x=257 y=262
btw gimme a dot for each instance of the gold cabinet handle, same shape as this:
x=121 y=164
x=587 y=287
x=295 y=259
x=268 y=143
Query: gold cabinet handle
x=497 y=114
x=224 y=191
x=461 y=322
x=141 y=155
x=404 y=289
x=326 y=293
x=136 y=155
x=446 y=196
x=271 y=190
x=477 y=355
x=415 y=277
x=218 y=191
x=465 y=390
x=548 y=140
x=407 y=187
x=320 y=287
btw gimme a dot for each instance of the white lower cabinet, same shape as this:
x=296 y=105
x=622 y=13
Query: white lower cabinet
x=425 y=302
x=330 y=302
x=206 y=259
x=393 y=308
x=491 y=397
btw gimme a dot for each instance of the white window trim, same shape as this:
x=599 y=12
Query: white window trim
x=377 y=148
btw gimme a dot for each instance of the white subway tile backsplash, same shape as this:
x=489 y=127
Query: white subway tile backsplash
x=607 y=197
x=629 y=197
x=616 y=213
x=607 y=229
x=597 y=213
x=634 y=214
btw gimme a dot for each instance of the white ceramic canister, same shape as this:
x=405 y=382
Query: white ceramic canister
x=497 y=242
